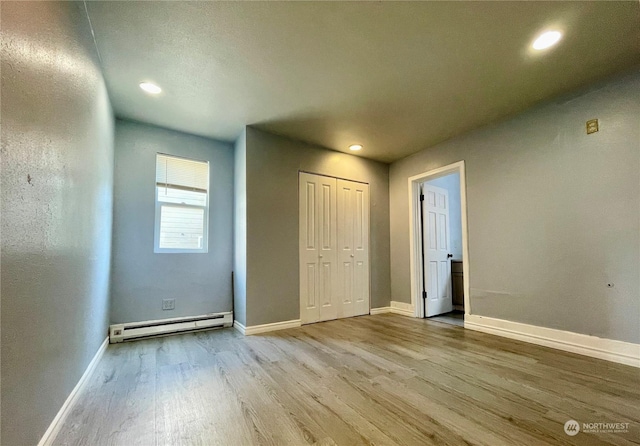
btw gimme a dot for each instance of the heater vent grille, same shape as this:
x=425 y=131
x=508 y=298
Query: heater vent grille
x=147 y=329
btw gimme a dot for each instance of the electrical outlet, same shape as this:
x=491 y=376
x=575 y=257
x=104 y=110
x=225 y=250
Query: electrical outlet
x=592 y=126
x=168 y=304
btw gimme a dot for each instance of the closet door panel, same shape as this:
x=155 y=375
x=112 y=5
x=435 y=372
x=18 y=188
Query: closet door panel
x=353 y=248
x=334 y=248
x=346 y=252
x=309 y=249
x=327 y=257
x=361 y=248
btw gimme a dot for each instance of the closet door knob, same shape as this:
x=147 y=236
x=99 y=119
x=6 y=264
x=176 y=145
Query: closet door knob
x=352 y=255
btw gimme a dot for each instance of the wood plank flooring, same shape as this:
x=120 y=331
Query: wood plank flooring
x=371 y=380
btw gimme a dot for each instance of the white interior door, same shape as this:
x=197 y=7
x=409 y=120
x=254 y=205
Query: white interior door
x=318 y=260
x=437 y=250
x=353 y=248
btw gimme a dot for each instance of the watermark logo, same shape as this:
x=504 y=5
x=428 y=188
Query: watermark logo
x=606 y=428
x=571 y=428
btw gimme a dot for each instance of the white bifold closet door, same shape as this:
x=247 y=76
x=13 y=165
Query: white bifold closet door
x=318 y=259
x=353 y=248
x=334 y=248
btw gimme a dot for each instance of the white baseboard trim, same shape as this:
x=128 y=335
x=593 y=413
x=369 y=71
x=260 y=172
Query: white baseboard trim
x=238 y=326
x=51 y=433
x=380 y=310
x=608 y=349
x=264 y=328
x=402 y=308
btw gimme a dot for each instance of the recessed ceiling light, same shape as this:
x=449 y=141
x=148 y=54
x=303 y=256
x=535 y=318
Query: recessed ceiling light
x=150 y=88
x=355 y=147
x=547 y=40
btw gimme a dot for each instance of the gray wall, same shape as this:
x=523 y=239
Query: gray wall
x=240 y=230
x=200 y=283
x=451 y=183
x=553 y=213
x=273 y=163
x=57 y=189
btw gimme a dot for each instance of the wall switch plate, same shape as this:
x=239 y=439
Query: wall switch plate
x=168 y=304
x=592 y=126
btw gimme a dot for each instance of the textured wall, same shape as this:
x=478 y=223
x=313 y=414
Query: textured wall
x=240 y=230
x=57 y=168
x=200 y=283
x=553 y=213
x=273 y=163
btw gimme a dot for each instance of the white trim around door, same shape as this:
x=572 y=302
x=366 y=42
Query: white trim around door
x=415 y=234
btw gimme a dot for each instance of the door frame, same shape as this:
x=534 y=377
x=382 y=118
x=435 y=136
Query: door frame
x=415 y=233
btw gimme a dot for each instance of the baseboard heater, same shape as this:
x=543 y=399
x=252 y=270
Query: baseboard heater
x=140 y=330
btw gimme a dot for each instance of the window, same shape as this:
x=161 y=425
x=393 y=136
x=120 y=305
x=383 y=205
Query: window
x=182 y=205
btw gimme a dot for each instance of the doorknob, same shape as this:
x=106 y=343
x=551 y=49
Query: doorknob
x=320 y=256
x=352 y=255
x=449 y=256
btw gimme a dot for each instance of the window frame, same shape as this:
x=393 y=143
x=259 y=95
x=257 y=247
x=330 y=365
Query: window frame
x=158 y=210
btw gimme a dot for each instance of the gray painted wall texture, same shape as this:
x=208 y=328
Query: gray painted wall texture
x=200 y=283
x=451 y=183
x=553 y=213
x=273 y=163
x=240 y=230
x=57 y=190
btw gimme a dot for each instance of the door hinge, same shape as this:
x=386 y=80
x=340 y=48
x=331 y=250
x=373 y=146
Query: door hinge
x=424 y=294
x=421 y=197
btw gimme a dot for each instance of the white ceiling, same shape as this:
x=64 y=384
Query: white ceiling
x=396 y=77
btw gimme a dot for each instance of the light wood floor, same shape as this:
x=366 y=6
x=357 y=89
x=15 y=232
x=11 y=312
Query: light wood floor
x=382 y=380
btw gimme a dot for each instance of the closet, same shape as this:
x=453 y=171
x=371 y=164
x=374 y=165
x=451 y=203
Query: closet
x=334 y=248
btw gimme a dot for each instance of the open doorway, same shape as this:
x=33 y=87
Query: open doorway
x=439 y=247
x=442 y=248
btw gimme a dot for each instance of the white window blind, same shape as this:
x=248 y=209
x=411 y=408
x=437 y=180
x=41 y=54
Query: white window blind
x=182 y=187
x=181 y=173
